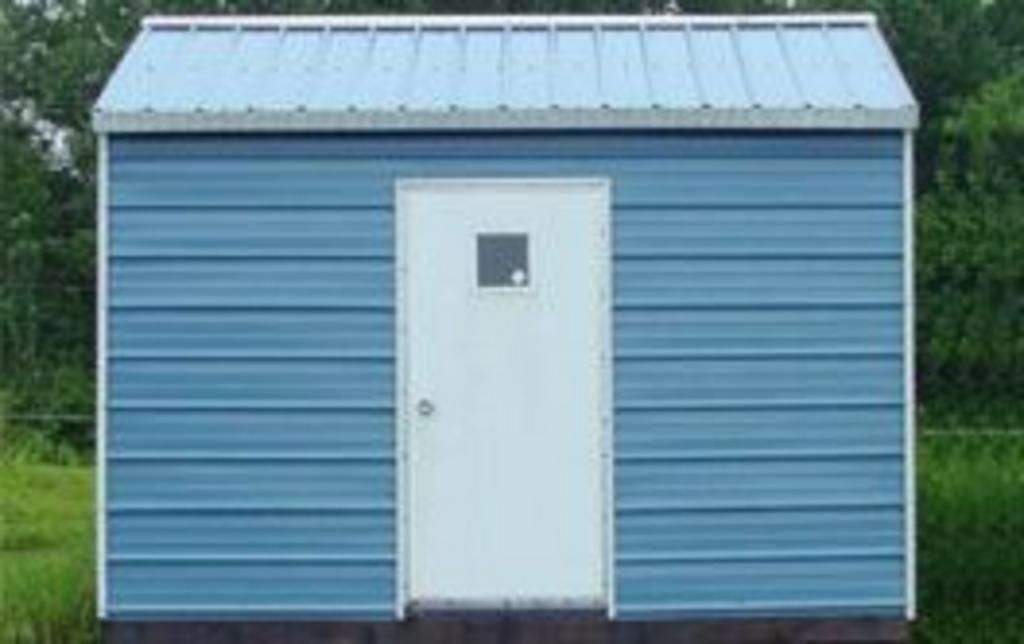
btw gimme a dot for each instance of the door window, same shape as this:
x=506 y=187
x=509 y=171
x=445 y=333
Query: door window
x=502 y=260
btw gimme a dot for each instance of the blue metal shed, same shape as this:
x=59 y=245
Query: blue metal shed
x=405 y=314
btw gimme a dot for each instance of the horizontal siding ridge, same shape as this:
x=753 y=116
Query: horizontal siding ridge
x=831 y=165
x=763 y=555
x=164 y=208
x=757 y=403
x=367 y=255
x=249 y=405
x=739 y=204
x=262 y=255
x=837 y=253
x=795 y=454
x=388 y=355
x=225 y=611
x=234 y=456
x=740 y=605
x=864 y=502
x=246 y=559
x=758 y=354
x=271 y=508
x=762 y=305
x=629 y=202
x=643 y=145
x=252 y=354
x=755 y=207
x=163 y=304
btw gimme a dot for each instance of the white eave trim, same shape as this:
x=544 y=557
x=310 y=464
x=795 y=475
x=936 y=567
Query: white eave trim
x=903 y=118
x=497 y=21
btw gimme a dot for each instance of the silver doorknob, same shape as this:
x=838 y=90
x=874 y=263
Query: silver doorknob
x=425 y=408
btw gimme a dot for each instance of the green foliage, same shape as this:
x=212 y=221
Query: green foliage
x=970 y=285
x=971 y=490
x=1008 y=24
x=970 y=264
x=46 y=297
x=23 y=445
x=46 y=554
x=983 y=142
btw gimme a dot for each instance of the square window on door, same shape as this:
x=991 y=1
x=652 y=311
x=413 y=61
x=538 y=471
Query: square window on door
x=502 y=260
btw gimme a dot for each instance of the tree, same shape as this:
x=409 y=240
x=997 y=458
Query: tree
x=964 y=59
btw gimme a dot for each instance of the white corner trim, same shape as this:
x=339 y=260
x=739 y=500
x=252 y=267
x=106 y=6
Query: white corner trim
x=402 y=493
x=606 y=259
x=384 y=21
x=909 y=395
x=102 y=223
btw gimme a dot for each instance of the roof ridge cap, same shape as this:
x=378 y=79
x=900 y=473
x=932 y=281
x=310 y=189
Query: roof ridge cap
x=498 y=20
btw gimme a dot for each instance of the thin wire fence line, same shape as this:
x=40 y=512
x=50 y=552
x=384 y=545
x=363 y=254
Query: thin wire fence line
x=924 y=433
x=48 y=418
x=41 y=286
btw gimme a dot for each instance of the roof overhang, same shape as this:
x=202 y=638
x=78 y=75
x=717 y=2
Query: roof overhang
x=180 y=87
x=554 y=119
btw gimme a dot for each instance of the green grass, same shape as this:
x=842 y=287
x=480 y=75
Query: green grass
x=46 y=554
x=971 y=545
x=971 y=537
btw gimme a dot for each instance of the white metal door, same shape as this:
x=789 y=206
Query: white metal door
x=503 y=300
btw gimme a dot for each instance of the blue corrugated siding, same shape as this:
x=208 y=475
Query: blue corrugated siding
x=757 y=368
x=251 y=401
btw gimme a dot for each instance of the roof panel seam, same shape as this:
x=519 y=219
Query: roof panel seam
x=698 y=82
x=787 y=61
x=840 y=66
x=602 y=100
x=741 y=67
x=551 y=54
x=645 y=61
x=503 y=64
x=461 y=80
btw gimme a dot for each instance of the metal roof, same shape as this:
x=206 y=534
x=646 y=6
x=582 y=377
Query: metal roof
x=274 y=73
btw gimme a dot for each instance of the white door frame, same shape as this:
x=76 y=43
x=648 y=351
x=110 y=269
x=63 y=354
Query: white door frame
x=403 y=186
